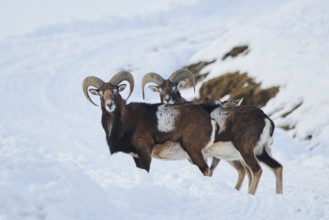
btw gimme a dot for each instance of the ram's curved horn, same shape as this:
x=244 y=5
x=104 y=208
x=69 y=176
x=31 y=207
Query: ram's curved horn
x=91 y=81
x=121 y=76
x=182 y=74
x=151 y=77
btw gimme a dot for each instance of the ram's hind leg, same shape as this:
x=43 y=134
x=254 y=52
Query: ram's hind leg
x=214 y=163
x=197 y=157
x=241 y=172
x=197 y=140
x=275 y=166
x=255 y=170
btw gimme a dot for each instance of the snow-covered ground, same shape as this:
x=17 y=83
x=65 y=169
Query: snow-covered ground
x=54 y=161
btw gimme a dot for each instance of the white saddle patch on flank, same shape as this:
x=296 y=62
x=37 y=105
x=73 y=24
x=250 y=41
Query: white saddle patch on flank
x=223 y=150
x=265 y=139
x=166 y=116
x=219 y=115
x=169 y=151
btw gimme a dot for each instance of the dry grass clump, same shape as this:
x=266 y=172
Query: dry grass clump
x=195 y=68
x=237 y=85
x=236 y=51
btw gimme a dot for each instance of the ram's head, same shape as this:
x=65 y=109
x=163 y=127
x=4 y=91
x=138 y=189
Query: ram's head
x=108 y=91
x=169 y=88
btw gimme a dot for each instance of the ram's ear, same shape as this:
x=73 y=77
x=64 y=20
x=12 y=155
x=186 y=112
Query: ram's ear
x=154 y=88
x=121 y=87
x=181 y=85
x=218 y=102
x=239 y=102
x=94 y=91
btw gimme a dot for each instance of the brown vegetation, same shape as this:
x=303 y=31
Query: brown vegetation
x=292 y=110
x=236 y=51
x=195 y=68
x=237 y=85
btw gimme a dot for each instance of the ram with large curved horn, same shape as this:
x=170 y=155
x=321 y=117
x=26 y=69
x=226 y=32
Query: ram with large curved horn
x=151 y=130
x=169 y=88
x=151 y=77
x=235 y=136
x=93 y=81
x=122 y=76
x=183 y=75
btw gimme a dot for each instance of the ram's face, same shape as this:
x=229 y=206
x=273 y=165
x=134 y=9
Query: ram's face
x=108 y=92
x=168 y=91
x=230 y=103
x=109 y=95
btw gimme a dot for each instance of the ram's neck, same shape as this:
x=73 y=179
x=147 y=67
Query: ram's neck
x=180 y=99
x=113 y=126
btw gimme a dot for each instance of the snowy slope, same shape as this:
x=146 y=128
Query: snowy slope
x=54 y=160
x=287 y=48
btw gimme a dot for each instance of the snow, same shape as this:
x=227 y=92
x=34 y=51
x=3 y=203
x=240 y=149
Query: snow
x=287 y=48
x=55 y=163
x=20 y=17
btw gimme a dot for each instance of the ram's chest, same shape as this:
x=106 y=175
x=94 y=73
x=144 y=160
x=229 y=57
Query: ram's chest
x=119 y=140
